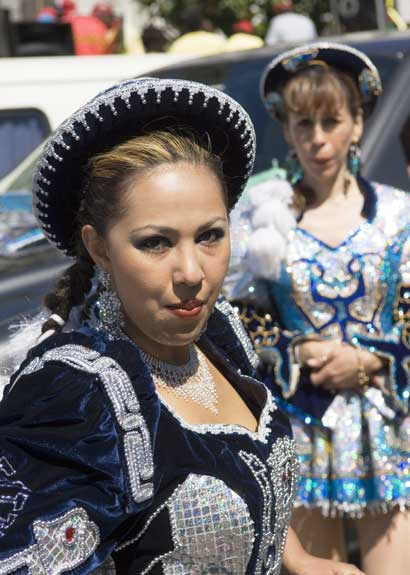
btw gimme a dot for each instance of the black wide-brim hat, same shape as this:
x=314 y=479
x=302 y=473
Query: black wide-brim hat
x=340 y=56
x=132 y=108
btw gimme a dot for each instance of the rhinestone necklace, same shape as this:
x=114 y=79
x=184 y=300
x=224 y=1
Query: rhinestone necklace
x=191 y=381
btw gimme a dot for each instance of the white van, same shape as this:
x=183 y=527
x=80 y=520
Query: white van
x=38 y=93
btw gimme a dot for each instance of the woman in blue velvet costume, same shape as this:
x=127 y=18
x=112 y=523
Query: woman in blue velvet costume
x=133 y=437
x=320 y=270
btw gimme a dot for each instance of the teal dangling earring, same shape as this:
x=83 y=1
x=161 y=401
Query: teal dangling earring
x=354 y=160
x=293 y=168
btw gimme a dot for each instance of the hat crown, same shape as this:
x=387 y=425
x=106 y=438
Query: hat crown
x=340 y=56
x=127 y=110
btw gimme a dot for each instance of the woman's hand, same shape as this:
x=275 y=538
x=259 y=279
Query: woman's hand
x=314 y=350
x=335 y=365
x=310 y=565
x=340 y=369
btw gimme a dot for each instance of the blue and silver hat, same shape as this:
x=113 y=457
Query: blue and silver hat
x=124 y=111
x=340 y=56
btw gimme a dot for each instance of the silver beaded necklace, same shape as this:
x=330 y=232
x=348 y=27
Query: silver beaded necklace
x=191 y=381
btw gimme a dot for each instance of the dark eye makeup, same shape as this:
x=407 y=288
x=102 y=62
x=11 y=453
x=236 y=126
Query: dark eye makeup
x=158 y=243
x=211 y=236
x=154 y=243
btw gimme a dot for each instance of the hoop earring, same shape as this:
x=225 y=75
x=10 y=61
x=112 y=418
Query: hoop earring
x=354 y=160
x=293 y=168
x=109 y=306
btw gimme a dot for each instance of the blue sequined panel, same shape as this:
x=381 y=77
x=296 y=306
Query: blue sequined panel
x=212 y=529
x=349 y=289
x=364 y=463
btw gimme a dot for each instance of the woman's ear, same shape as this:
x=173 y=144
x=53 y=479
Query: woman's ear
x=358 y=127
x=95 y=246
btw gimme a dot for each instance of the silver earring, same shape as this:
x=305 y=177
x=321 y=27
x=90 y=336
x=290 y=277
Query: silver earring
x=109 y=306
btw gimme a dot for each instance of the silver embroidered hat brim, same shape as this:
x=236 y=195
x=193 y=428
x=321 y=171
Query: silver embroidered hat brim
x=130 y=108
x=335 y=54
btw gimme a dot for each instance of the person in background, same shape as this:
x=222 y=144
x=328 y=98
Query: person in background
x=154 y=38
x=47 y=14
x=197 y=35
x=320 y=272
x=286 y=25
x=67 y=8
x=104 y=12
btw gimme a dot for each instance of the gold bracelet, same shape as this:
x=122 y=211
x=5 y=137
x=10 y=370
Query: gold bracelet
x=362 y=378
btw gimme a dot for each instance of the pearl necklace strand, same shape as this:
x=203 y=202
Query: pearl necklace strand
x=192 y=381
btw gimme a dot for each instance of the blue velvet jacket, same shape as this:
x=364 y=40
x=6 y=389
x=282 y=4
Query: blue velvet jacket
x=98 y=474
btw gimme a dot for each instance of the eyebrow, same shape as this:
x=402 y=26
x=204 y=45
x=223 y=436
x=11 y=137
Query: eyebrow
x=169 y=230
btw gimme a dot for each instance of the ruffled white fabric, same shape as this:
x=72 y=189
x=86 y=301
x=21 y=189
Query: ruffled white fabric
x=271 y=220
x=260 y=226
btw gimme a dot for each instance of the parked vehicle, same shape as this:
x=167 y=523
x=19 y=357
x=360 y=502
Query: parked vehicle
x=386 y=150
x=38 y=93
x=385 y=145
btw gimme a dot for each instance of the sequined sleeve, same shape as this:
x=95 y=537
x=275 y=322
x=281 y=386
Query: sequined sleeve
x=394 y=346
x=75 y=462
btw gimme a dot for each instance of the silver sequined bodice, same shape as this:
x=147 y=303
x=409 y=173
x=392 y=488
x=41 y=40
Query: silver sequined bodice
x=212 y=528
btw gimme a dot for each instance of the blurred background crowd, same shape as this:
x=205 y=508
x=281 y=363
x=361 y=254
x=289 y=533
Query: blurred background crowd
x=87 y=27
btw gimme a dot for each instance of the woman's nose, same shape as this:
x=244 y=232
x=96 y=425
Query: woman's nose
x=318 y=134
x=188 y=270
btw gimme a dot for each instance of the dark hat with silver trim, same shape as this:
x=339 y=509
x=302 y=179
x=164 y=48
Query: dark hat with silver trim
x=126 y=110
x=340 y=56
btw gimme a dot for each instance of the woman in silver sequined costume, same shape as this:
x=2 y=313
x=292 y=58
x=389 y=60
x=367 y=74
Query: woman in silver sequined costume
x=134 y=438
x=320 y=272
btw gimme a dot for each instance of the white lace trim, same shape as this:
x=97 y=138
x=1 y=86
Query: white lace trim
x=261 y=434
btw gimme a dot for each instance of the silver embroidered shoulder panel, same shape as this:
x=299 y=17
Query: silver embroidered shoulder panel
x=125 y=404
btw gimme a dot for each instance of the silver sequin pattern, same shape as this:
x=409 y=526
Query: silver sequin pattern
x=212 y=529
x=61 y=544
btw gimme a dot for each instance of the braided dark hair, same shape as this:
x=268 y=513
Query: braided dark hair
x=109 y=175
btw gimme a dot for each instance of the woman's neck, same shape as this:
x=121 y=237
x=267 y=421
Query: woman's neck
x=334 y=190
x=174 y=354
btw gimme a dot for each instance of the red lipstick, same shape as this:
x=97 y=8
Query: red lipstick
x=187 y=309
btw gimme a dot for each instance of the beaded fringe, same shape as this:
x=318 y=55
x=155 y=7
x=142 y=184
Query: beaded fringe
x=334 y=509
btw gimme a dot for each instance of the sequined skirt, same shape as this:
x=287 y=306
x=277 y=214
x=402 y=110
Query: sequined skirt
x=361 y=463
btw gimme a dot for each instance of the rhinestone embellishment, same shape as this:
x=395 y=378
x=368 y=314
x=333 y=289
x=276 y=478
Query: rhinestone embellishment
x=69 y=535
x=52 y=554
x=192 y=381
